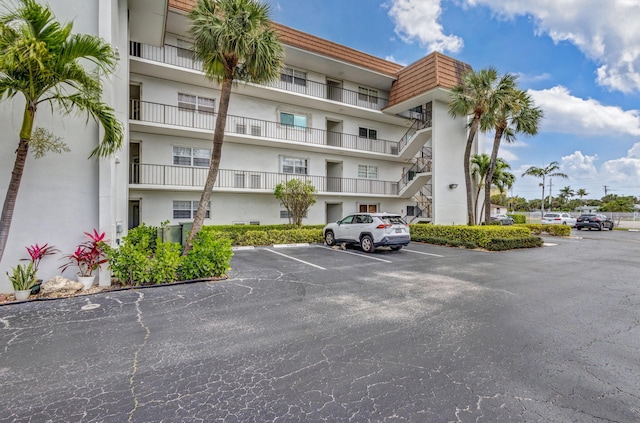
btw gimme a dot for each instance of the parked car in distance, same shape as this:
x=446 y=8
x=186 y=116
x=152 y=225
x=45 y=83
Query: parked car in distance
x=594 y=221
x=369 y=230
x=558 y=218
x=502 y=218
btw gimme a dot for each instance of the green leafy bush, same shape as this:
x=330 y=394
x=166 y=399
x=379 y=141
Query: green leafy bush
x=553 y=230
x=499 y=244
x=468 y=235
x=518 y=218
x=148 y=233
x=144 y=259
x=266 y=234
x=166 y=261
x=130 y=262
x=210 y=256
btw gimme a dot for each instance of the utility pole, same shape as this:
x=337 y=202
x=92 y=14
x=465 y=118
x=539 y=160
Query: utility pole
x=550 y=186
x=606 y=190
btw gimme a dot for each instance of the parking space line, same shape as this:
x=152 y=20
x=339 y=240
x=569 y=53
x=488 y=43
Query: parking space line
x=420 y=252
x=296 y=259
x=356 y=254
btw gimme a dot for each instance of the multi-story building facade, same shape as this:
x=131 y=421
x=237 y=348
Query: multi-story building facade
x=367 y=133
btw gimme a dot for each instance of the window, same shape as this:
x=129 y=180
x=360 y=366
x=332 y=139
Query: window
x=366 y=94
x=187 y=156
x=367 y=172
x=368 y=208
x=187 y=209
x=239 y=180
x=194 y=102
x=372 y=134
x=294 y=76
x=185 y=49
x=294 y=165
x=291 y=119
x=284 y=214
x=255 y=181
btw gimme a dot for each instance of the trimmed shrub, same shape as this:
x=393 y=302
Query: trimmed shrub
x=166 y=261
x=130 y=262
x=553 y=230
x=137 y=234
x=468 y=235
x=518 y=218
x=209 y=257
x=500 y=244
x=266 y=234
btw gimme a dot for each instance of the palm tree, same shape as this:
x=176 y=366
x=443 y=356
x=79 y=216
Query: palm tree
x=581 y=193
x=516 y=115
x=544 y=172
x=566 y=193
x=43 y=61
x=479 y=168
x=235 y=41
x=480 y=94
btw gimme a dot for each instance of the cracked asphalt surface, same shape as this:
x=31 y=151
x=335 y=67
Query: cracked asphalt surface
x=427 y=334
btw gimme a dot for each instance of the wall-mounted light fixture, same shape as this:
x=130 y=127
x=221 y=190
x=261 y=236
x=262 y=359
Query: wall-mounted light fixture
x=453 y=186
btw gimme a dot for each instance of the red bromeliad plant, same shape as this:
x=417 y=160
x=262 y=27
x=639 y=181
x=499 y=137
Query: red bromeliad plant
x=37 y=253
x=89 y=255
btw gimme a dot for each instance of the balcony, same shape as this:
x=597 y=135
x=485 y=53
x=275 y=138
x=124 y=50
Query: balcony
x=182 y=66
x=244 y=129
x=171 y=177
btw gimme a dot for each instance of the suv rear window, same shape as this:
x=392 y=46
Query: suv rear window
x=551 y=215
x=394 y=220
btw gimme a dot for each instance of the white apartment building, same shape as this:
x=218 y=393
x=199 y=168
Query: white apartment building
x=369 y=134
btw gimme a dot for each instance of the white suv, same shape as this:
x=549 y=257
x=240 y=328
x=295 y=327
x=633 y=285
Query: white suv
x=369 y=230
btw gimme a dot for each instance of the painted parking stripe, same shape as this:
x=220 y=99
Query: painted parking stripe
x=356 y=254
x=420 y=252
x=296 y=259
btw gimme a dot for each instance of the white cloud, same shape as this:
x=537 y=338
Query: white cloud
x=568 y=114
x=418 y=20
x=605 y=31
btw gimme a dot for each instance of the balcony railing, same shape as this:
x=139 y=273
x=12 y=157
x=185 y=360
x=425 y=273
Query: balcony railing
x=178 y=116
x=185 y=58
x=166 y=175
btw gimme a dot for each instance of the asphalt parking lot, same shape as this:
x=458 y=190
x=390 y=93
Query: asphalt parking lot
x=425 y=334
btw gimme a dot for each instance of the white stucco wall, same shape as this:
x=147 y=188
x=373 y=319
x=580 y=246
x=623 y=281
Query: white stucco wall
x=59 y=194
x=449 y=139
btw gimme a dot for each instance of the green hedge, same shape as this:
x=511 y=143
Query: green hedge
x=553 y=230
x=501 y=244
x=241 y=235
x=479 y=236
x=518 y=218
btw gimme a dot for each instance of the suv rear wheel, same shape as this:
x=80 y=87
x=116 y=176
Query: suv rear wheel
x=367 y=244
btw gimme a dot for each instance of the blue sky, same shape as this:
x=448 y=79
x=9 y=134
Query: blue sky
x=578 y=59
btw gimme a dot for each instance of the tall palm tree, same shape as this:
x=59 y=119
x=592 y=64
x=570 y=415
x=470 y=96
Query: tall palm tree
x=480 y=94
x=566 y=193
x=516 y=115
x=235 y=41
x=581 y=193
x=43 y=61
x=479 y=168
x=502 y=179
x=543 y=172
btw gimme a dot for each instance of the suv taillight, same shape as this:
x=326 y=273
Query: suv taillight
x=384 y=225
